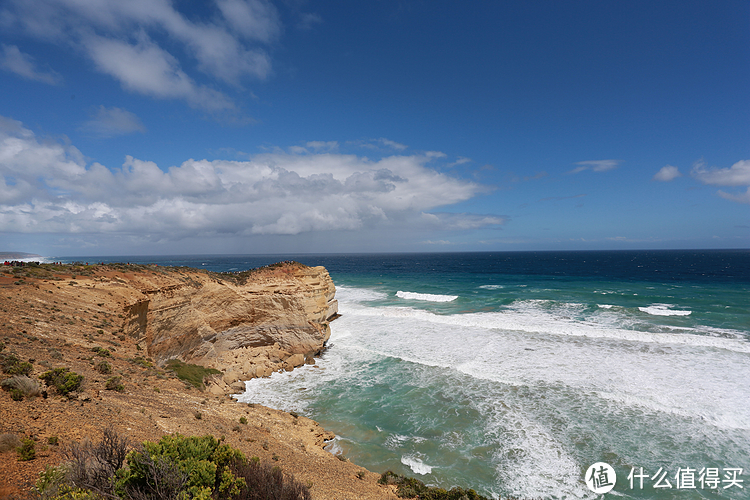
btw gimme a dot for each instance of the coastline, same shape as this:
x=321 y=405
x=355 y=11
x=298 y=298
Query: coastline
x=70 y=315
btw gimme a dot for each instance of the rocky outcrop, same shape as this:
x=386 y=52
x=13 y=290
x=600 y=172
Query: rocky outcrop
x=271 y=319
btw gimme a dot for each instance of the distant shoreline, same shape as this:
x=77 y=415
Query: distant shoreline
x=18 y=256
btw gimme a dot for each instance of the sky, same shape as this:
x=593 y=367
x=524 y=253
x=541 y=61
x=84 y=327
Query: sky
x=153 y=127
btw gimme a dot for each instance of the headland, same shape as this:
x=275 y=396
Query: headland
x=135 y=332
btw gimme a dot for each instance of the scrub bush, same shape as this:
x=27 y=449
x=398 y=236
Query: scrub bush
x=21 y=386
x=63 y=380
x=11 y=365
x=408 y=487
x=27 y=450
x=114 y=384
x=176 y=468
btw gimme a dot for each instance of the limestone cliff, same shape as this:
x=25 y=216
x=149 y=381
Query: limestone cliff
x=246 y=325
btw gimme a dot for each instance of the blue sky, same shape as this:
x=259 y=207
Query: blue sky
x=247 y=126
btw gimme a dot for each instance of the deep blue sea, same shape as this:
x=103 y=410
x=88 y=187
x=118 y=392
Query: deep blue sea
x=512 y=373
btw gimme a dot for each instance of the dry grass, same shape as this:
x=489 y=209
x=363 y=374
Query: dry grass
x=9 y=442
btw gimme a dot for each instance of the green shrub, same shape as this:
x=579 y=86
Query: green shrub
x=52 y=483
x=102 y=352
x=191 y=374
x=114 y=384
x=13 y=366
x=141 y=361
x=205 y=462
x=176 y=467
x=63 y=380
x=27 y=450
x=103 y=367
x=408 y=487
x=243 y=420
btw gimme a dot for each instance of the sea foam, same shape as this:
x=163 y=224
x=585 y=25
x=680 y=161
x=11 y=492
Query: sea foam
x=416 y=465
x=425 y=296
x=663 y=310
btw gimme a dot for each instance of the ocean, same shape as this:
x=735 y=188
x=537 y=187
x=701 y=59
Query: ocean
x=512 y=373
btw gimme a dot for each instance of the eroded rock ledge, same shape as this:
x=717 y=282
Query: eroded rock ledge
x=247 y=325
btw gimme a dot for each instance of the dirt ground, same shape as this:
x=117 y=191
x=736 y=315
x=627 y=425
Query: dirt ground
x=54 y=316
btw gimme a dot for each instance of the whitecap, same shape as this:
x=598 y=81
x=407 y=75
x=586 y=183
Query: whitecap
x=492 y=287
x=663 y=310
x=425 y=296
x=353 y=294
x=416 y=465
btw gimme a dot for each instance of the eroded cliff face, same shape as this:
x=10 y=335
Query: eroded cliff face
x=276 y=319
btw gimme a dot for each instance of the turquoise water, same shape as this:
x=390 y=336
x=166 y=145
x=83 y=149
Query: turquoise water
x=513 y=372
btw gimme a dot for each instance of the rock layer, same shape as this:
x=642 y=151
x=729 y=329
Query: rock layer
x=247 y=326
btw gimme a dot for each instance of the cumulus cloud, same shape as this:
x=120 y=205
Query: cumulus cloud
x=15 y=61
x=667 y=173
x=47 y=186
x=596 y=166
x=121 y=39
x=111 y=122
x=736 y=175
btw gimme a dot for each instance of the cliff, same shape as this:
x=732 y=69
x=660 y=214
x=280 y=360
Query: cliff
x=118 y=325
x=247 y=325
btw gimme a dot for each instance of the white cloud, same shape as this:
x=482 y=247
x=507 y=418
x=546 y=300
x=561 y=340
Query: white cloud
x=15 y=61
x=736 y=175
x=48 y=187
x=110 y=122
x=147 y=69
x=139 y=31
x=462 y=221
x=596 y=165
x=253 y=19
x=667 y=173
x=323 y=146
x=739 y=198
x=381 y=143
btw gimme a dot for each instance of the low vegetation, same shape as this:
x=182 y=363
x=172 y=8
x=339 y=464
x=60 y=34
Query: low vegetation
x=27 y=450
x=12 y=365
x=176 y=467
x=409 y=487
x=21 y=386
x=63 y=380
x=114 y=384
x=194 y=375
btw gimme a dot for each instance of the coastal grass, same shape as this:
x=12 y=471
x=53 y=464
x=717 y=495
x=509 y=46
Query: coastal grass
x=21 y=386
x=194 y=375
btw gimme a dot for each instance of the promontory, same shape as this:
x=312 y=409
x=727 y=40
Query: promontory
x=160 y=350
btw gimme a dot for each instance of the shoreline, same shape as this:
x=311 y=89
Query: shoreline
x=54 y=323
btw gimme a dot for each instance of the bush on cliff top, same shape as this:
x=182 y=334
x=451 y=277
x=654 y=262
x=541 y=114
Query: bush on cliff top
x=194 y=375
x=408 y=487
x=176 y=467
